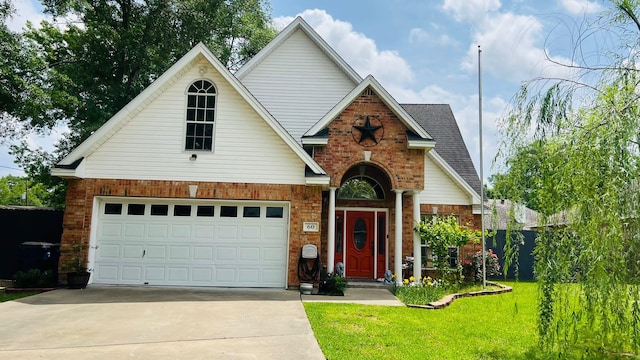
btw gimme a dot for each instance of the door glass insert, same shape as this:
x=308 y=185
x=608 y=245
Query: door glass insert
x=339 y=234
x=360 y=233
x=382 y=235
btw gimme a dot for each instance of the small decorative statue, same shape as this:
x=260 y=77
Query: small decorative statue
x=340 y=269
x=388 y=277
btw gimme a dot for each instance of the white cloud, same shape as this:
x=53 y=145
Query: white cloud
x=421 y=36
x=470 y=10
x=511 y=51
x=361 y=52
x=26 y=10
x=511 y=43
x=580 y=7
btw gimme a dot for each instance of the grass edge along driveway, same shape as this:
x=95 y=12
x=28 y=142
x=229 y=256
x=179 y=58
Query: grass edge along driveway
x=484 y=327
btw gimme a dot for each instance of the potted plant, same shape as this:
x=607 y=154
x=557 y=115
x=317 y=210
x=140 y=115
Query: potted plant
x=78 y=278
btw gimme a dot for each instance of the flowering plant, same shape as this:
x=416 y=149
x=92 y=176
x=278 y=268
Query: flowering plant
x=492 y=264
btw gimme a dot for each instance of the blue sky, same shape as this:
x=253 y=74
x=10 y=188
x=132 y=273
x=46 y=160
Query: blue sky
x=426 y=51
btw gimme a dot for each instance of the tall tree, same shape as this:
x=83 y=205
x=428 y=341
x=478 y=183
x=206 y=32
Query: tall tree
x=108 y=51
x=587 y=254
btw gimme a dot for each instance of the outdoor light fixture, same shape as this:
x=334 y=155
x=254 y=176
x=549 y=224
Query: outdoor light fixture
x=193 y=157
x=435 y=210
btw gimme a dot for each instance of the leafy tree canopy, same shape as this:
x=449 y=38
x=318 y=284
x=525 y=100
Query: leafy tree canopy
x=16 y=190
x=574 y=142
x=81 y=73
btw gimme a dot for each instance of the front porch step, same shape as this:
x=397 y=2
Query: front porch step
x=360 y=283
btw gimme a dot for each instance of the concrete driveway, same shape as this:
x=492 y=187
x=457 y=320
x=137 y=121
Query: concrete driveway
x=157 y=323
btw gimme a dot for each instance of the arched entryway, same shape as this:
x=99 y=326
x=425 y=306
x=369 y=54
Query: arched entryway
x=361 y=221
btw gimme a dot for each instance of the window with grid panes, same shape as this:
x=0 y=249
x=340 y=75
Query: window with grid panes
x=201 y=109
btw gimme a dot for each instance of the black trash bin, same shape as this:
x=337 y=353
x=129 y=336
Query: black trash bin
x=40 y=255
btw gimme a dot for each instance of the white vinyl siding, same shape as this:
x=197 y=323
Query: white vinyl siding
x=151 y=145
x=440 y=188
x=298 y=83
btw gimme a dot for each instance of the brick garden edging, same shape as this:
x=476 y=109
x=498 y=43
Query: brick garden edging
x=448 y=299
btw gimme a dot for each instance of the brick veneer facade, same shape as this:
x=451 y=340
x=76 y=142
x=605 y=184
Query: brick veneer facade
x=404 y=168
x=305 y=205
x=396 y=167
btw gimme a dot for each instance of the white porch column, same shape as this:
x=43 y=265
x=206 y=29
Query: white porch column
x=331 y=231
x=397 y=251
x=417 y=248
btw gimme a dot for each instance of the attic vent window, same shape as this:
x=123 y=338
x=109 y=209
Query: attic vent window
x=201 y=107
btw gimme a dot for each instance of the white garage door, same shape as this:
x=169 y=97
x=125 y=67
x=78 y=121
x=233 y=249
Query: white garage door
x=191 y=243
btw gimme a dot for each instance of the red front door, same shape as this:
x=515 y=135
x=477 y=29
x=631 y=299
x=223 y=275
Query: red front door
x=359 y=244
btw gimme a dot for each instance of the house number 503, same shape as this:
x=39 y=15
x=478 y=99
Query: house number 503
x=310 y=227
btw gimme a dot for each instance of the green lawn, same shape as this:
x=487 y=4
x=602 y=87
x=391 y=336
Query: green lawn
x=484 y=327
x=8 y=297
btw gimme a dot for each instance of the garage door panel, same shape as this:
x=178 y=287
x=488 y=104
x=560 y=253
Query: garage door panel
x=250 y=233
x=179 y=253
x=249 y=254
x=132 y=273
x=154 y=274
x=107 y=273
x=225 y=276
x=249 y=275
x=132 y=230
x=272 y=275
x=110 y=231
x=226 y=253
x=274 y=232
x=241 y=249
x=227 y=232
x=273 y=254
x=156 y=252
x=158 y=231
x=203 y=253
x=181 y=231
x=202 y=275
x=205 y=232
x=132 y=251
x=108 y=251
x=178 y=273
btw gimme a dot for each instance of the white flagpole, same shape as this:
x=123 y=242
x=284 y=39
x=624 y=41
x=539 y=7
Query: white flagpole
x=484 y=253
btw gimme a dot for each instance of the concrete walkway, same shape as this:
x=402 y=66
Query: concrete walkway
x=157 y=323
x=366 y=296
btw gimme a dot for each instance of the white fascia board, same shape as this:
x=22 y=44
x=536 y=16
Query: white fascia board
x=64 y=173
x=317 y=180
x=315 y=141
x=421 y=144
x=299 y=23
x=406 y=119
x=120 y=118
x=475 y=197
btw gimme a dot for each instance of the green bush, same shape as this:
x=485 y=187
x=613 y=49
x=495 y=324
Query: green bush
x=33 y=278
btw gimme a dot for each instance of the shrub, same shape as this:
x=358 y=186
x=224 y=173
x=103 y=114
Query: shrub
x=33 y=278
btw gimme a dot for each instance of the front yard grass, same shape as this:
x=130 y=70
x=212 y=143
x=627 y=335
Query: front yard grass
x=15 y=296
x=484 y=327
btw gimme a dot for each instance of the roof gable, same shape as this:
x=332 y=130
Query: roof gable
x=298 y=24
x=128 y=112
x=418 y=134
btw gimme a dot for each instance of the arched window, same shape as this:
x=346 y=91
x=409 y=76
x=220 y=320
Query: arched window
x=201 y=109
x=361 y=188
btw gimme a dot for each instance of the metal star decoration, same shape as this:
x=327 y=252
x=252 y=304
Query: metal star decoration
x=367 y=131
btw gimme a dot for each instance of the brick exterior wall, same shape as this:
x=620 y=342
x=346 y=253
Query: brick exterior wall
x=404 y=168
x=305 y=205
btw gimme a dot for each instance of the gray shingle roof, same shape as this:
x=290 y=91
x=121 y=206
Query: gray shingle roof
x=439 y=122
